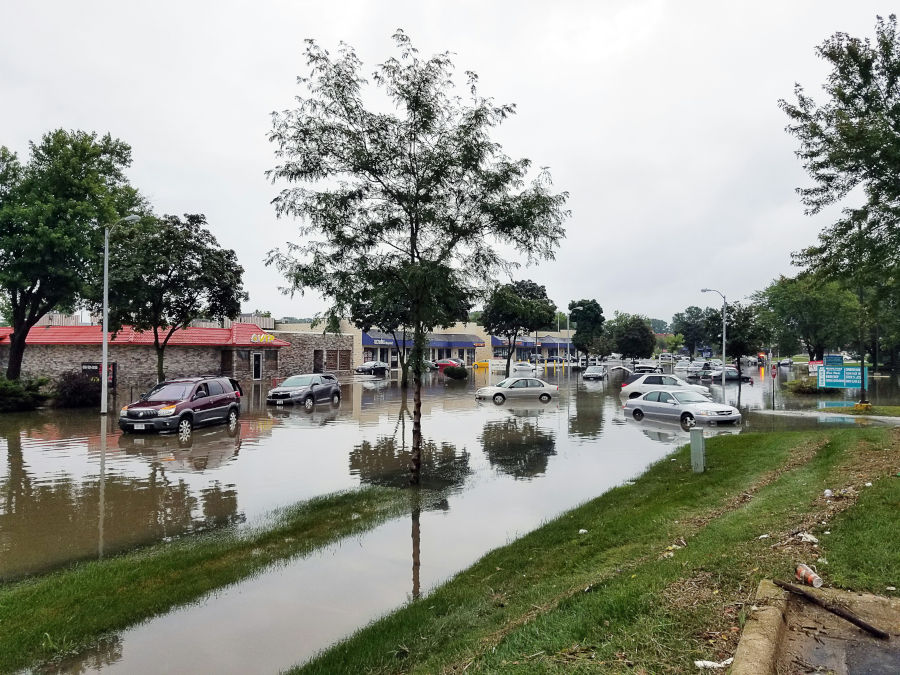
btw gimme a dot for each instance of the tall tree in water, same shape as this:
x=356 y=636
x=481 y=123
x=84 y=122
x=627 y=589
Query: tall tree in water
x=403 y=194
x=53 y=210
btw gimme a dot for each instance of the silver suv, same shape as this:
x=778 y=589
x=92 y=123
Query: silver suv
x=306 y=389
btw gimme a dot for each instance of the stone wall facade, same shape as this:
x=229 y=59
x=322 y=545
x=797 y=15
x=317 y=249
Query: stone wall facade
x=135 y=364
x=312 y=352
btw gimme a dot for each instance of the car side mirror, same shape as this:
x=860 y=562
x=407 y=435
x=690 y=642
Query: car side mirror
x=143 y=396
x=199 y=394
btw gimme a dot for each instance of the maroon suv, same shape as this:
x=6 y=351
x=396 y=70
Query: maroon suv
x=180 y=405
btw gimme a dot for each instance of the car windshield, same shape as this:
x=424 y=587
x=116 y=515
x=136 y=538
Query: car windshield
x=174 y=391
x=369 y=363
x=594 y=369
x=504 y=384
x=690 y=397
x=298 y=381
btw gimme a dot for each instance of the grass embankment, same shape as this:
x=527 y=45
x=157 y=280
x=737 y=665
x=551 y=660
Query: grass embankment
x=879 y=410
x=50 y=616
x=667 y=569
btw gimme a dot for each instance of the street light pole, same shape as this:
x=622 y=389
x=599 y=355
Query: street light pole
x=104 y=378
x=724 y=315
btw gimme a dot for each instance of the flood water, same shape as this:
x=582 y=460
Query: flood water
x=74 y=489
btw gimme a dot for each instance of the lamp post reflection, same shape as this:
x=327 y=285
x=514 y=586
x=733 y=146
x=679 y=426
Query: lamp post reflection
x=102 y=510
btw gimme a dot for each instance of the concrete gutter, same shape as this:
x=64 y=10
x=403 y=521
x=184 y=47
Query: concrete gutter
x=763 y=632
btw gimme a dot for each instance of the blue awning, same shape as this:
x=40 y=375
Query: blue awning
x=374 y=338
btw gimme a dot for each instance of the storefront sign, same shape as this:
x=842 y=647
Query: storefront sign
x=262 y=338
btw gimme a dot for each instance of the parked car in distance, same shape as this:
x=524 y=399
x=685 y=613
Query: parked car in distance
x=373 y=368
x=518 y=388
x=686 y=407
x=786 y=362
x=307 y=390
x=595 y=373
x=646 y=368
x=641 y=383
x=428 y=364
x=180 y=405
x=521 y=366
x=731 y=375
x=697 y=367
x=444 y=363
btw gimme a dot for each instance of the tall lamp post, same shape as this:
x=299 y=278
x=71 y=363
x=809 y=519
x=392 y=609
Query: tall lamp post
x=569 y=332
x=104 y=377
x=724 y=315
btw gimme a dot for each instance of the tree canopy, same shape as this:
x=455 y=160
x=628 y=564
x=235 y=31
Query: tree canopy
x=588 y=316
x=515 y=309
x=53 y=210
x=389 y=194
x=166 y=272
x=632 y=335
x=691 y=325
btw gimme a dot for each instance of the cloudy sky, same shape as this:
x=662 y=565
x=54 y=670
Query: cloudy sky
x=659 y=118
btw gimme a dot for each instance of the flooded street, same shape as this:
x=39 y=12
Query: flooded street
x=72 y=489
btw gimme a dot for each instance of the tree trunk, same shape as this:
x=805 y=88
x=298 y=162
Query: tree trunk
x=416 y=541
x=160 y=375
x=415 y=463
x=511 y=345
x=16 y=352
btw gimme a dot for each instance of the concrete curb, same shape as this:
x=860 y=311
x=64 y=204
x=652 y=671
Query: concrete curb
x=763 y=631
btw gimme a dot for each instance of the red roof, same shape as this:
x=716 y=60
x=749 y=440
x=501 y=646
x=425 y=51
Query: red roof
x=239 y=335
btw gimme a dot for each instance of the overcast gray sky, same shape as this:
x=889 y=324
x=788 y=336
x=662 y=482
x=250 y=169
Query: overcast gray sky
x=659 y=118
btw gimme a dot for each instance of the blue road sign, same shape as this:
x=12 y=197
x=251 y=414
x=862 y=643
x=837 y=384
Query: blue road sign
x=833 y=360
x=840 y=377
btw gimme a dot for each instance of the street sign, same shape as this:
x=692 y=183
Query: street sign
x=814 y=367
x=840 y=377
x=834 y=360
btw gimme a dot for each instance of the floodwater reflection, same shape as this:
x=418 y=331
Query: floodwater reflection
x=73 y=488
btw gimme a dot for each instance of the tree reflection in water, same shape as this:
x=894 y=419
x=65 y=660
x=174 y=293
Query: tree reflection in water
x=517 y=445
x=586 y=418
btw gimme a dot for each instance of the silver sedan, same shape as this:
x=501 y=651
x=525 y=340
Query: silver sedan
x=687 y=407
x=518 y=388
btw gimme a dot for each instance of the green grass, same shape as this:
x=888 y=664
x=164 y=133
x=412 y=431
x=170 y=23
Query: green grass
x=47 y=617
x=602 y=601
x=882 y=410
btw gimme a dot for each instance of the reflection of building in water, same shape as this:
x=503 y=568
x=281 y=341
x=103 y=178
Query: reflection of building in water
x=517 y=446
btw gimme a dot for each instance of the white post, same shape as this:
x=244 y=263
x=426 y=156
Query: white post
x=103 y=378
x=724 y=314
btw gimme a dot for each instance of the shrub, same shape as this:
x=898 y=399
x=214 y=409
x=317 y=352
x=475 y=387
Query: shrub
x=456 y=372
x=23 y=394
x=808 y=385
x=77 y=390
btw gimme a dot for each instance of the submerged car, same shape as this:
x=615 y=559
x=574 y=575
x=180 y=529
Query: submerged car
x=522 y=365
x=731 y=375
x=686 y=407
x=373 y=368
x=638 y=384
x=595 y=373
x=306 y=389
x=180 y=405
x=518 y=388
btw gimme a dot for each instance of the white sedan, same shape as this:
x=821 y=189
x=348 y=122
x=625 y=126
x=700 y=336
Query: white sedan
x=519 y=389
x=687 y=407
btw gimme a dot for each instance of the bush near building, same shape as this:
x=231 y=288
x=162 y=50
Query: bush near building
x=456 y=372
x=22 y=394
x=76 y=390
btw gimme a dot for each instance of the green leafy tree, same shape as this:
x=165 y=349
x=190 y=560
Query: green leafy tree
x=632 y=335
x=53 y=210
x=744 y=333
x=588 y=317
x=674 y=343
x=165 y=272
x=691 y=325
x=816 y=313
x=404 y=194
x=850 y=147
x=516 y=309
x=659 y=325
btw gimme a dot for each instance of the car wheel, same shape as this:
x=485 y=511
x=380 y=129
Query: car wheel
x=688 y=421
x=335 y=398
x=232 y=419
x=638 y=414
x=634 y=394
x=185 y=428
x=544 y=398
x=308 y=403
x=499 y=398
